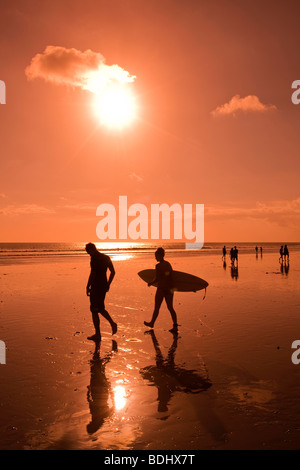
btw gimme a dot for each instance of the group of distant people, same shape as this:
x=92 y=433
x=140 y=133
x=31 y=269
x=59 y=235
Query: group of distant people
x=284 y=253
x=233 y=253
x=256 y=250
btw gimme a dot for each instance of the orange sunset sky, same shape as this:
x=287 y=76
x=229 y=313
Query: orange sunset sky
x=215 y=122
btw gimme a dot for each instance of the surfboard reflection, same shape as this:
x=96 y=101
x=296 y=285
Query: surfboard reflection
x=99 y=391
x=169 y=377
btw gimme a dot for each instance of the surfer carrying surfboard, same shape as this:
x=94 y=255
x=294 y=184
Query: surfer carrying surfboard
x=164 y=281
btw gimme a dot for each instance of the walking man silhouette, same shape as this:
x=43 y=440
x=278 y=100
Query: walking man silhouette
x=97 y=287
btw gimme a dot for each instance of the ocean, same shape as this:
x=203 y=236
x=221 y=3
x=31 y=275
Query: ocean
x=18 y=251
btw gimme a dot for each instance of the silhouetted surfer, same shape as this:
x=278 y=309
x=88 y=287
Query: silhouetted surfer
x=97 y=287
x=164 y=280
x=286 y=253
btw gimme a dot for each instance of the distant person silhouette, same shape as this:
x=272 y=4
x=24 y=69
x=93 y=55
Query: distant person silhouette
x=164 y=280
x=232 y=255
x=256 y=249
x=235 y=254
x=224 y=251
x=281 y=253
x=97 y=287
x=286 y=253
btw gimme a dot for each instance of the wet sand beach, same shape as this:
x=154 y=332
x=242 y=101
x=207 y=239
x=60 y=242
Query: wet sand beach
x=225 y=382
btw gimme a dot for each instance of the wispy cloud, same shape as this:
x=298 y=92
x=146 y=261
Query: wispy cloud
x=80 y=207
x=135 y=177
x=25 y=209
x=86 y=70
x=280 y=212
x=250 y=103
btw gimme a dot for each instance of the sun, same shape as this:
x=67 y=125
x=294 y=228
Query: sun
x=115 y=106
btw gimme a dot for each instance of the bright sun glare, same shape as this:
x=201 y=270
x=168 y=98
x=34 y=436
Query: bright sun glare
x=115 y=106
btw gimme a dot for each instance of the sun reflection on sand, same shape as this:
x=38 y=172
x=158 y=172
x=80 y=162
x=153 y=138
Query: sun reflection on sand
x=120 y=397
x=116 y=245
x=121 y=257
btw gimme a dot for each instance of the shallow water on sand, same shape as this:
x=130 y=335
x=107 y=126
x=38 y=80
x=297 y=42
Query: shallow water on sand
x=227 y=380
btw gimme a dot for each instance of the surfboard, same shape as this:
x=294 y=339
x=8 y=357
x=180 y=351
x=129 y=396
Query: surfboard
x=183 y=282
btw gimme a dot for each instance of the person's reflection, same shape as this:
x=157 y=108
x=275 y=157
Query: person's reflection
x=170 y=378
x=99 y=390
x=281 y=267
x=234 y=272
x=224 y=264
x=284 y=267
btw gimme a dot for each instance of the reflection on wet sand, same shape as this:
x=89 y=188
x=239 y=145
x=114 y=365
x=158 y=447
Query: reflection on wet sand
x=99 y=391
x=234 y=272
x=257 y=394
x=169 y=377
x=284 y=267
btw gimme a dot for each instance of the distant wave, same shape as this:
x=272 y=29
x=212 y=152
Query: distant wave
x=78 y=249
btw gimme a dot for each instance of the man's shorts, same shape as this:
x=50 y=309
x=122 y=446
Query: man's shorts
x=163 y=293
x=97 y=298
